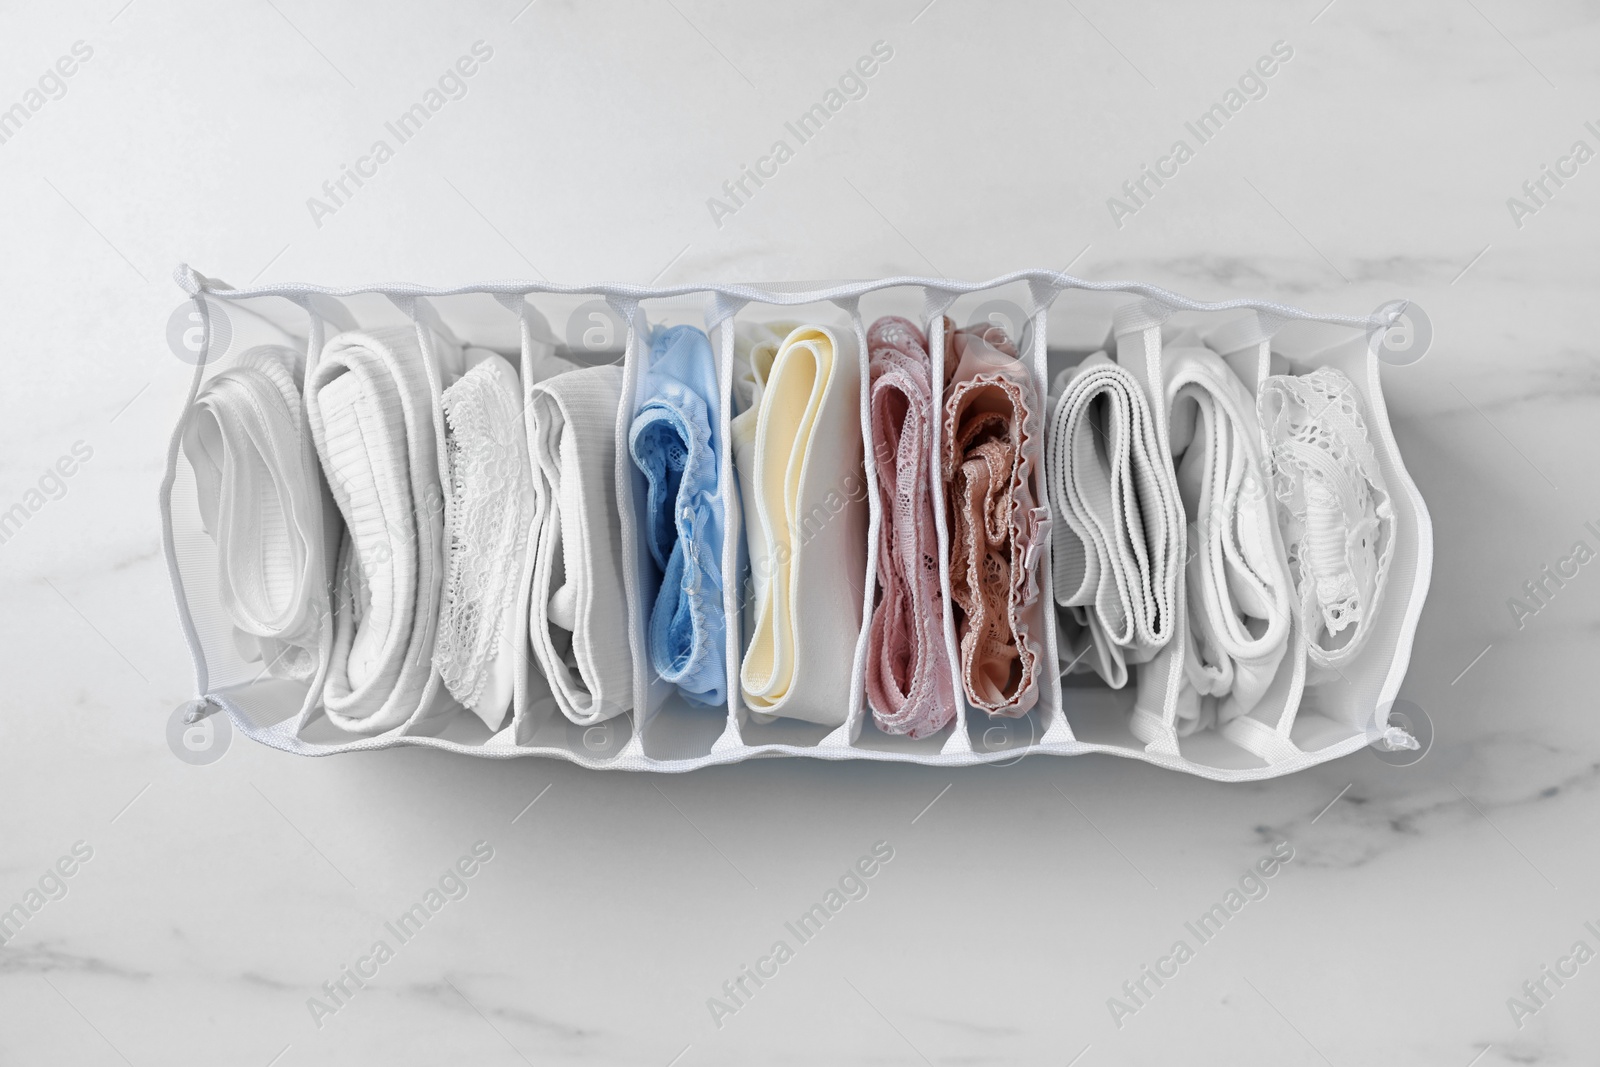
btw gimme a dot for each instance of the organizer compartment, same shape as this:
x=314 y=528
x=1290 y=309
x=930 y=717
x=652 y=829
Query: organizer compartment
x=1064 y=320
x=865 y=732
x=671 y=726
x=1022 y=312
x=838 y=515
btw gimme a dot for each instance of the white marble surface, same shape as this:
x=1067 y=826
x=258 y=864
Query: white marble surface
x=218 y=899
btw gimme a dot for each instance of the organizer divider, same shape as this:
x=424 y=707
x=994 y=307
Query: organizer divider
x=436 y=702
x=936 y=303
x=634 y=357
x=528 y=682
x=720 y=324
x=1057 y=730
x=648 y=684
x=320 y=311
x=847 y=734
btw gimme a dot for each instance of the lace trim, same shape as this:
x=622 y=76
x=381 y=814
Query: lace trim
x=1335 y=509
x=991 y=436
x=908 y=668
x=490 y=484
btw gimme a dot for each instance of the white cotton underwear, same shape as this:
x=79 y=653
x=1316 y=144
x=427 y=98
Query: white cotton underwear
x=371 y=410
x=1238 y=580
x=261 y=499
x=1115 y=543
x=578 y=612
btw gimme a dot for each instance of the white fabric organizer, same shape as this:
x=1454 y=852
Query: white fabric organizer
x=1305 y=705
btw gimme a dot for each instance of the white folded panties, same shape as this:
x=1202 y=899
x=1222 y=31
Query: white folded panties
x=798 y=451
x=371 y=409
x=1334 y=508
x=491 y=491
x=1238 y=580
x=577 y=606
x=261 y=499
x=1115 y=547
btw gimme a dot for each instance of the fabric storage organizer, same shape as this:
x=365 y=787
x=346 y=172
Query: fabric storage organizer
x=1294 y=726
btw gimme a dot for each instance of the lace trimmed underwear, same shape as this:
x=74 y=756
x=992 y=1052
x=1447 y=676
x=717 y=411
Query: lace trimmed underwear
x=1115 y=557
x=491 y=492
x=674 y=443
x=908 y=668
x=991 y=464
x=1237 y=577
x=371 y=412
x=578 y=614
x=797 y=448
x=1335 y=509
x=261 y=499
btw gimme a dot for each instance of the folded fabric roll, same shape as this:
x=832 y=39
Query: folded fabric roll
x=578 y=611
x=371 y=412
x=261 y=499
x=1334 y=508
x=1115 y=557
x=797 y=447
x=1238 y=579
x=908 y=667
x=491 y=490
x=992 y=462
x=674 y=442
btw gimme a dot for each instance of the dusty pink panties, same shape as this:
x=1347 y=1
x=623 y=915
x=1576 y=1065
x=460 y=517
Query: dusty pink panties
x=908 y=670
x=991 y=467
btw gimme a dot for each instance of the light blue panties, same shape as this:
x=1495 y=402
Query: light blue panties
x=674 y=442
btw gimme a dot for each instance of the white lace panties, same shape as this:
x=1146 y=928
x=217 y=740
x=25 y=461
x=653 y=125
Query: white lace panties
x=1335 y=510
x=491 y=490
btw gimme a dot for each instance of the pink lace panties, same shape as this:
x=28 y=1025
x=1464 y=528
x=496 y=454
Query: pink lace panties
x=991 y=468
x=908 y=670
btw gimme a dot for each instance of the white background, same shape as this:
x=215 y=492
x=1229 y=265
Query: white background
x=1378 y=165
